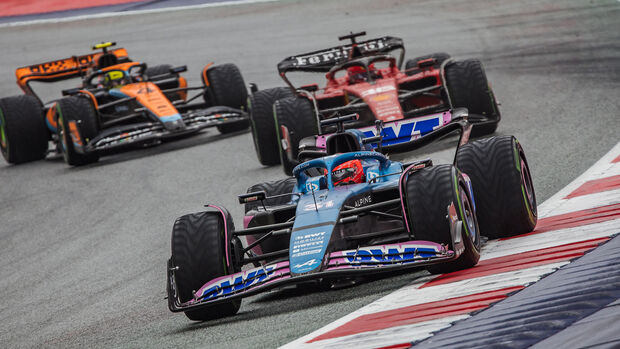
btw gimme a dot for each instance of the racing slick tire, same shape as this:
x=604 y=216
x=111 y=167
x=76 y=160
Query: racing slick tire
x=279 y=187
x=282 y=186
x=23 y=135
x=199 y=253
x=227 y=88
x=162 y=73
x=468 y=87
x=429 y=193
x=81 y=110
x=260 y=105
x=412 y=64
x=502 y=185
x=296 y=116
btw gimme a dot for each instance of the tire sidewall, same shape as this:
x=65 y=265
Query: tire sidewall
x=527 y=186
x=67 y=148
x=300 y=125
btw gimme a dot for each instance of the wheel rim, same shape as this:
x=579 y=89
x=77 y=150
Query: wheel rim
x=526 y=183
x=3 y=142
x=470 y=220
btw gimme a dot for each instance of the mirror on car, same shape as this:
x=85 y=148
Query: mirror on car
x=179 y=69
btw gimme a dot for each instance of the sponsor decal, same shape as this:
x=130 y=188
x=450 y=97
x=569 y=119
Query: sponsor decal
x=381 y=98
x=371 y=175
x=124 y=137
x=312 y=186
x=336 y=54
x=363 y=201
x=238 y=282
x=403 y=131
x=314 y=183
x=309 y=263
x=144 y=90
x=390 y=253
x=319 y=205
x=377 y=90
x=307 y=244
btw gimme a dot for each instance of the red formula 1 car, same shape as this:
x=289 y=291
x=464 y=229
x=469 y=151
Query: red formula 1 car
x=363 y=78
x=119 y=103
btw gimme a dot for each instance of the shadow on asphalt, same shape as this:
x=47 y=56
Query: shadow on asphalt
x=314 y=294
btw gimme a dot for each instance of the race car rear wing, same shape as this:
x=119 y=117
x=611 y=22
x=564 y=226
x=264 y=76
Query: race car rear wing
x=324 y=60
x=61 y=69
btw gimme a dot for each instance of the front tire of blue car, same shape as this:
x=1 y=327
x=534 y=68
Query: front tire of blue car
x=199 y=253
x=429 y=193
x=502 y=185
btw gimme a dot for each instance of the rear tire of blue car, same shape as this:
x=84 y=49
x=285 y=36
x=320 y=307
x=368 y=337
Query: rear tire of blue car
x=429 y=192
x=297 y=115
x=260 y=105
x=279 y=187
x=23 y=135
x=502 y=185
x=81 y=110
x=199 y=253
x=227 y=88
x=273 y=188
x=469 y=88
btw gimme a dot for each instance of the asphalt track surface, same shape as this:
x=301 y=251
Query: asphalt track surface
x=83 y=250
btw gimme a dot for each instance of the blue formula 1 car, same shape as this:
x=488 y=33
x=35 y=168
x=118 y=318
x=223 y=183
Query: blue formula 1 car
x=349 y=213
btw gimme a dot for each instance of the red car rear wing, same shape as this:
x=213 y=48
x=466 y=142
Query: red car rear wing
x=61 y=69
x=324 y=60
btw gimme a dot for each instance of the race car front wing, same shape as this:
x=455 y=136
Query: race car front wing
x=192 y=121
x=363 y=260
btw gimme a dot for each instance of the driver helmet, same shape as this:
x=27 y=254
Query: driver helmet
x=350 y=172
x=114 y=78
x=357 y=73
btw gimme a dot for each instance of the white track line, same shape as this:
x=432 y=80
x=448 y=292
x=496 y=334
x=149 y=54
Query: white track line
x=602 y=168
x=131 y=13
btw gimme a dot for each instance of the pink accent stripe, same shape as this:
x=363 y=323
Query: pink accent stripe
x=246 y=221
x=519 y=261
x=616 y=160
x=225 y=231
x=575 y=219
x=596 y=186
x=321 y=141
x=418 y=313
x=402 y=198
x=30 y=7
x=447 y=117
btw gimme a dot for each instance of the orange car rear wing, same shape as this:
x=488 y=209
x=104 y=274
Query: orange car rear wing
x=61 y=69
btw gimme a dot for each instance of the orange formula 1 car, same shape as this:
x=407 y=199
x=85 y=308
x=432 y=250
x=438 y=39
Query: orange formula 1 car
x=119 y=103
